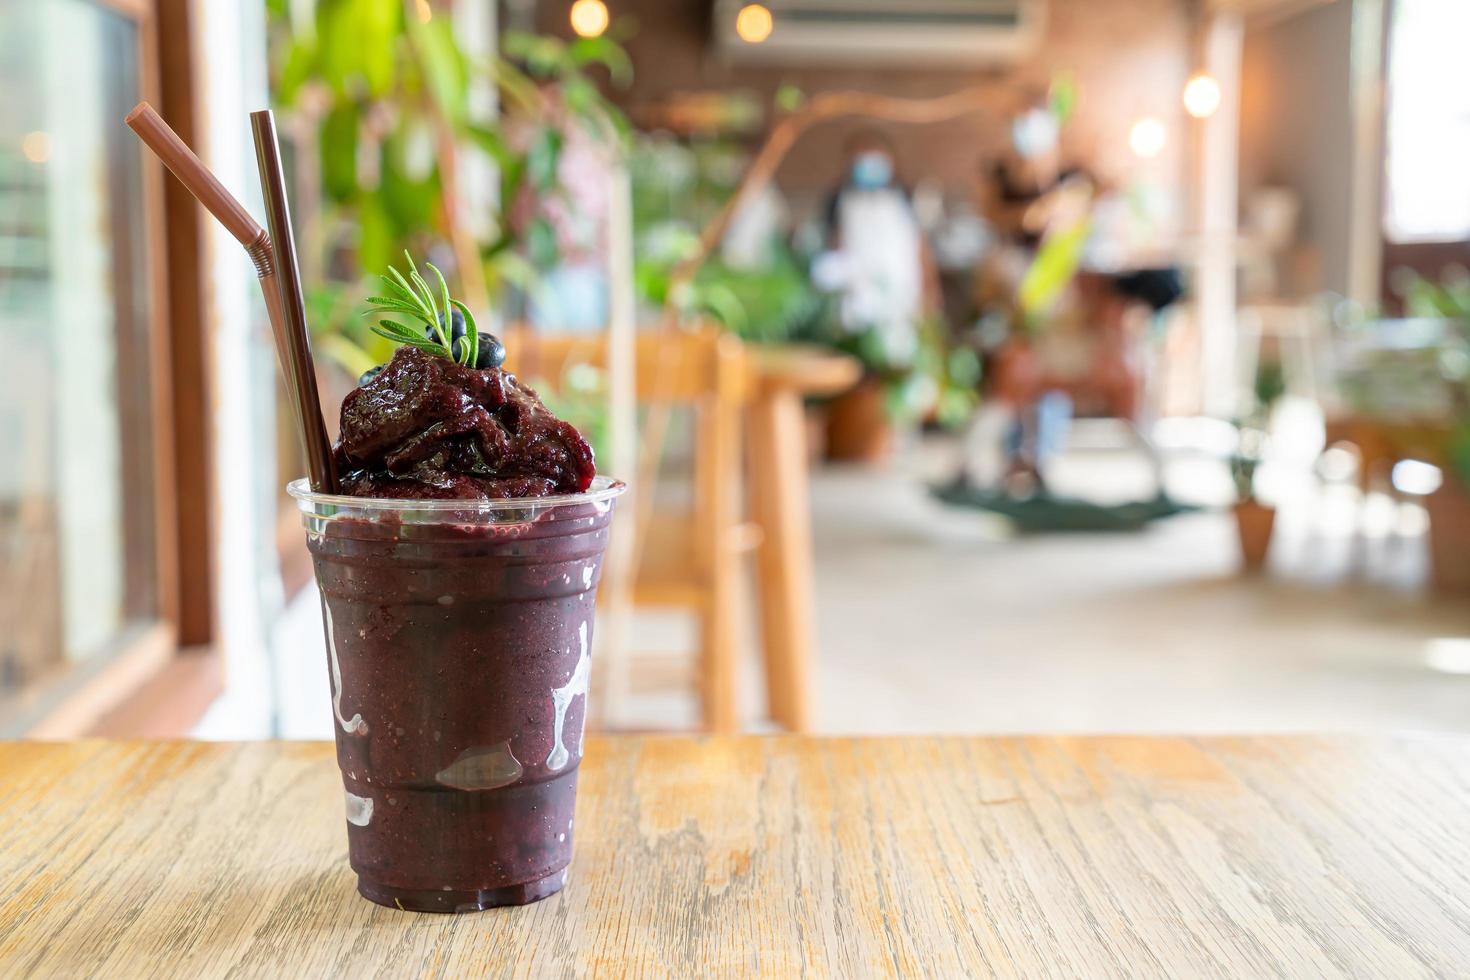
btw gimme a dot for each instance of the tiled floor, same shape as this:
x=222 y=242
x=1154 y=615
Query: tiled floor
x=933 y=620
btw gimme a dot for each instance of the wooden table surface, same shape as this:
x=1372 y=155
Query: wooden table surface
x=807 y=369
x=748 y=856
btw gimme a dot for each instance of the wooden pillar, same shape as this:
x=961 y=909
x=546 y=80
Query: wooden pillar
x=615 y=618
x=188 y=305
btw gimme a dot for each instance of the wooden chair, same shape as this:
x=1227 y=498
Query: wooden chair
x=688 y=559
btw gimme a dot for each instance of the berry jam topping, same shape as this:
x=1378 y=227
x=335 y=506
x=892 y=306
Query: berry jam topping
x=425 y=427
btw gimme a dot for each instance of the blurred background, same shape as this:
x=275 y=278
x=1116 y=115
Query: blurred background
x=978 y=365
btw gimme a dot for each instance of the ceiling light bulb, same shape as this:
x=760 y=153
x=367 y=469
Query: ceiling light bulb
x=589 y=17
x=36 y=146
x=754 y=23
x=1201 y=95
x=1147 y=137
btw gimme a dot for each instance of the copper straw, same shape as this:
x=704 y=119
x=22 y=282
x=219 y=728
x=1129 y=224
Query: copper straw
x=218 y=201
x=297 y=352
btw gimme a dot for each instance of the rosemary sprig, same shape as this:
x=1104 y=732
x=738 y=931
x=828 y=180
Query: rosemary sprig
x=411 y=297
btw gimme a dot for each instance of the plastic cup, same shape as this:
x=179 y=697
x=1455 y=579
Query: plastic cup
x=459 y=639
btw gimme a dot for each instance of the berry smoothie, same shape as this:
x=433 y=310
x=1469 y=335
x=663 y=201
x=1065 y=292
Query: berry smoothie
x=458 y=573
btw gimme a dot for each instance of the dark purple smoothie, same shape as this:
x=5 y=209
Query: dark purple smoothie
x=458 y=595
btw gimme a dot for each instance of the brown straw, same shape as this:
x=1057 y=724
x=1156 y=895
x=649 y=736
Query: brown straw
x=207 y=189
x=194 y=175
x=297 y=353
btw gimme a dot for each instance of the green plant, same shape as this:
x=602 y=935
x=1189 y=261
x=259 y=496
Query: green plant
x=677 y=188
x=366 y=86
x=1449 y=299
x=1250 y=451
x=376 y=100
x=937 y=378
x=552 y=105
x=954 y=371
x=772 y=302
x=1049 y=274
x=1270 y=385
x=1252 y=438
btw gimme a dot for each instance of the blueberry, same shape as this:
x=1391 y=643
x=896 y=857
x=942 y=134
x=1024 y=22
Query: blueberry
x=492 y=351
x=369 y=375
x=456 y=327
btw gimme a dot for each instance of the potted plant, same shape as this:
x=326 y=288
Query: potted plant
x=1449 y=505
x=1448 y=301
x=1254 y=520
x=858 y=427
x=1449 y=522
x=936 y=382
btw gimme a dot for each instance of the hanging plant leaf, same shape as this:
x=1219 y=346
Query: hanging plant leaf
x=542 y=158
x=356 y=44
x=606 y=52
x=339 y=152
x=541 y=243
x=443 y=65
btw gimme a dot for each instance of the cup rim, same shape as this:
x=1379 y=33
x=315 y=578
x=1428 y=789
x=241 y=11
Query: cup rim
x=603 y=488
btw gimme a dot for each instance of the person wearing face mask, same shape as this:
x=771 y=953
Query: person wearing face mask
x=877 y=259
x=1027 y=194
x=1028 y=182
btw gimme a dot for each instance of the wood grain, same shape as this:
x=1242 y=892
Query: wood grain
x=746 y=856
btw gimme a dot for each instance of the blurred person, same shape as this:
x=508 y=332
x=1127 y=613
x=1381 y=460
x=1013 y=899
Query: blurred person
x=1039 y=209
x=1076 y=263
x=877 y=259
x=1023 y=189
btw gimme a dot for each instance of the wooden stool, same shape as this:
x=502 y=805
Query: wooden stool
x=687 y=560
x=780 y=501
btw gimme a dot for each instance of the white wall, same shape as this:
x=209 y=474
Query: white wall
x=231 y=83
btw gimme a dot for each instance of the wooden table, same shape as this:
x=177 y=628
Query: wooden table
x=773 y=856
x=780 y=503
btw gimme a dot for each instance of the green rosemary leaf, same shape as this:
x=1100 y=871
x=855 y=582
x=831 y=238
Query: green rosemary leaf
x=441 y=330
x=427 y=346
x=413 y=302
x=392 y=335
x=408 y=296
x=471 y=331
x=468 y=359
x=375 y=310
x=423 y=287
x=469 y=318
x=395 y=310
x=401 y=285
x=389 y=301
x=400 y=331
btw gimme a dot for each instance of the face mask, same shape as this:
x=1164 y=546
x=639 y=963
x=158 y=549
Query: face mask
x=872 y=170
x=1034 y=133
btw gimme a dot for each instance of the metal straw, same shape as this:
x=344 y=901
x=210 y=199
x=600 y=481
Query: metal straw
x=293 y=303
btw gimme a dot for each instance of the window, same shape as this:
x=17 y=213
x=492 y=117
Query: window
x=1428 y=122
x=85 y=518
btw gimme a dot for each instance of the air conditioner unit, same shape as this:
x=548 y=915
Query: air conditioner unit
x=895 y=33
